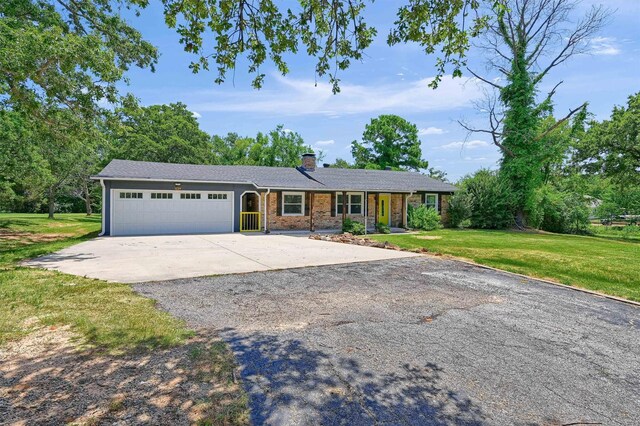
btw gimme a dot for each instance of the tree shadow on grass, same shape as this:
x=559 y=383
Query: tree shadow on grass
x=45 y=379
x=289 y=383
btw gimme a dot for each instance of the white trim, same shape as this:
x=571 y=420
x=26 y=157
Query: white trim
x=259 y=203
x=437 y=206
x=102 y=207
x=266 y=210
x=251 y=192
x=348 y=203
x=293 y=193
x=111 y=233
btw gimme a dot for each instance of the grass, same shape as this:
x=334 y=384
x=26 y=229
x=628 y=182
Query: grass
x=605 y=264
x=24 y=236
x=623 y=233
x=107 y=315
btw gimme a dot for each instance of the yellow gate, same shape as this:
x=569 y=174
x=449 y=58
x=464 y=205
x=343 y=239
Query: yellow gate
x=249 y=221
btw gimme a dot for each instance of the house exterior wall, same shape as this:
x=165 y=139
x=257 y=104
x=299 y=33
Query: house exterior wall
x=237 y=189
x=322 y=214
x=444 y=208
x=322 y=211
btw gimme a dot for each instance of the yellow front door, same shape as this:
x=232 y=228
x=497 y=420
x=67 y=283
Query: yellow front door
x=384 y=206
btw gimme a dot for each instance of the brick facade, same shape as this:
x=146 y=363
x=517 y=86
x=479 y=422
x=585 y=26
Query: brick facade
x=323 y=219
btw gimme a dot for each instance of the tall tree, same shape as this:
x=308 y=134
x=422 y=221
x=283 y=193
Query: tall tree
x=162 y=133
x=278 y=148
x=612 y=147
x=39 y=159
x=67 y=53
x=526 y=40
x=389 y=141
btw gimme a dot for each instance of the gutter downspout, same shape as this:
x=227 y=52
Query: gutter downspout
x=104 y=191
x=266 y=222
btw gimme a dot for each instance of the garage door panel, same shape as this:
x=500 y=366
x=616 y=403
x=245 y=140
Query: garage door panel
x=176 y=215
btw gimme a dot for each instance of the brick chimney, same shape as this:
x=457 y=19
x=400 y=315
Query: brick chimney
x=309 y=162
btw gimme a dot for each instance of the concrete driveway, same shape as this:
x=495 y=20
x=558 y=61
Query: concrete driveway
x=420 y=341
x=155 y=258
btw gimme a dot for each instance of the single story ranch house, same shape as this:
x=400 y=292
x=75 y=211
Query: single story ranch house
x=144 y=198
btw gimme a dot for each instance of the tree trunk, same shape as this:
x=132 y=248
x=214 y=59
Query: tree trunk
x=521 y=219
x=87 y=197
x=52 y=202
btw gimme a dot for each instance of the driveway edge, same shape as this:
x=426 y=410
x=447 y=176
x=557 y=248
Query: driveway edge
x=491 y=268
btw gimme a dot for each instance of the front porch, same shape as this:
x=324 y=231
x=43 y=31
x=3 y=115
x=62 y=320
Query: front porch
x=315 y=211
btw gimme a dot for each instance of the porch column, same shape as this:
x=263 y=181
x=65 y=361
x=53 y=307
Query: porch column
x=344 y=206
x=266 y=210
x=404 y=210
x=375 y=201
x=311 y=226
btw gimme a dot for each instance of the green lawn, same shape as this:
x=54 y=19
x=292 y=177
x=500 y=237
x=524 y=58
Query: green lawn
x=110 y=316
x=606 y=265
x=23 y=236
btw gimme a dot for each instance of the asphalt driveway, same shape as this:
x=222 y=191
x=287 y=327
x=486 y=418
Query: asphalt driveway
x=152 y=258
x=419 y=341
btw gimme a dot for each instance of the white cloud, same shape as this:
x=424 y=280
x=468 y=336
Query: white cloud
x=431 y=131
x=325 y=143
x=468 y=144
x=195 y=114
x=604 y=46
x=304 y=97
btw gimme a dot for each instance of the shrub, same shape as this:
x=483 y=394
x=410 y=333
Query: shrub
x=631 y=231
x=561 y=212
x=553 y=210
x=423 y=217
x=459 y=209
x=353 y=227
x=577 y=213
x=488 y=200
x=382 y=228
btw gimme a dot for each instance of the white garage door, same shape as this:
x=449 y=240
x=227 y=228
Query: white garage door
x=136 y=212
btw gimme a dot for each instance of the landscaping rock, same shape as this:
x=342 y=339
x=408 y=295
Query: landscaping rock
x=348 y=238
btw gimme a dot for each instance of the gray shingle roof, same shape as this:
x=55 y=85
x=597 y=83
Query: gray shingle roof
x=383 y=180
x=277 y=177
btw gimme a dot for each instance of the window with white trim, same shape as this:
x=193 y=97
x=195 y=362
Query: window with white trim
x=354 y=203
x=161 y=196
x=217 y=196
x=431 y=201
x=189 y=196
x=137 y=195
x=293 y=203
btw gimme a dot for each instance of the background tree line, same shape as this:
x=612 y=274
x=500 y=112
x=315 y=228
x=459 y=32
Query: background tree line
x=43 y=170
x=62 y=113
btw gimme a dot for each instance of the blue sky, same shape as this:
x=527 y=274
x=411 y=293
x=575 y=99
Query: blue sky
x=390 y=80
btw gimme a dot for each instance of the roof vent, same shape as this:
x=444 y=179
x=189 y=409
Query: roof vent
x=326 y=165
x=309 y=161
